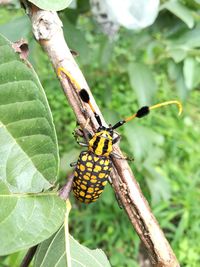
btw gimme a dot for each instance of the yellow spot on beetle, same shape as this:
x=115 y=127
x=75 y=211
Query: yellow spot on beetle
x=86 y=177
x=89 y=164
x=100 y=191
x=90 y=190
x=93 y=181
x=84 y=182
x=93 y=177
x=82 y=193
x=101 y=175
x=82 y=167
x=101 y=161
x=105 y=168
x=83 y=187
x=104 y=183
x=97 y=168
x=96 y=159
x=84 y=158
x=88 y=196
x=89 y=157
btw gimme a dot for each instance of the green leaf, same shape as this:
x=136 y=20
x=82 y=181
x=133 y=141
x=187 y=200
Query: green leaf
x=183 y=45
x=77 y=40
x=191 y=69
x=144 y=142
x=181 y=11
x=158 y=185
x=28 y=145
x=68 y=157
x=29 y=157
x=182 y=226
x=52 y=253
x=51 y=5
x=181 y=88
x=175 y=72
x=177 y=53
x=106 y=52
x=142 y=81
x=16 y=29
x=27 y=219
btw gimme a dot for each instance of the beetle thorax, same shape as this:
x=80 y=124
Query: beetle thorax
x=101 y=143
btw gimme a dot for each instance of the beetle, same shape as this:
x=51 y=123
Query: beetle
x=93 y=167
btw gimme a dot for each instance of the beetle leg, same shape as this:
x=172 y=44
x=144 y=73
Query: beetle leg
x=79 y=133
x=115 y=155
x=116 y=195
x=73 y=164
x=116 y=139
x=82 y=143
x=65 y=190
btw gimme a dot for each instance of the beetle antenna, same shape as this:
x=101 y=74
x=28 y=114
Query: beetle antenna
x=69 y=76
x=86 y=98
x=145 y=111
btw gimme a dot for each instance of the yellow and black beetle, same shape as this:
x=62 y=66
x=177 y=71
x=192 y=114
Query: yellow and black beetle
x=94 y=165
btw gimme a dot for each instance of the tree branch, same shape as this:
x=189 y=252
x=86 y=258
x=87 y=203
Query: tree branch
x=47 y=29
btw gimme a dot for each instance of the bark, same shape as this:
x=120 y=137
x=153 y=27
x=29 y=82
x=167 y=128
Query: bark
x=47 y=29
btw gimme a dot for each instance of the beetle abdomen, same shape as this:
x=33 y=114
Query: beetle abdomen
x=90 y=176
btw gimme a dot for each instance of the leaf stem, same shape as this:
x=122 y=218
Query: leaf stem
x=66 y=225
x=28 y=257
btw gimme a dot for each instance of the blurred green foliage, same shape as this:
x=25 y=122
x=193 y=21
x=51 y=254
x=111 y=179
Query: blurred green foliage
x=159 y=63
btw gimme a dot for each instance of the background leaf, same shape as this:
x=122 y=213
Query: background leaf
x=142 y=81
x=51 y=5
x=191 y=69
x=16 y=29
x=180 y=11
x=52 y=253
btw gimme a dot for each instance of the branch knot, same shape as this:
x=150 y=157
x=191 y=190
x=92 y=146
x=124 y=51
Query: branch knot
x=45 y=24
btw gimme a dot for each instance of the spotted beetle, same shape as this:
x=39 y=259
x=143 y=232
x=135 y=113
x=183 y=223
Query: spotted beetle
x=93 y=167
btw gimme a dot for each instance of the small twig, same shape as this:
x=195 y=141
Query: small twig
x=28 y=257
x=47 y=29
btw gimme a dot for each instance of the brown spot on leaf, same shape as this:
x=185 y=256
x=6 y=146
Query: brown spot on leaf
x=21 y=47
